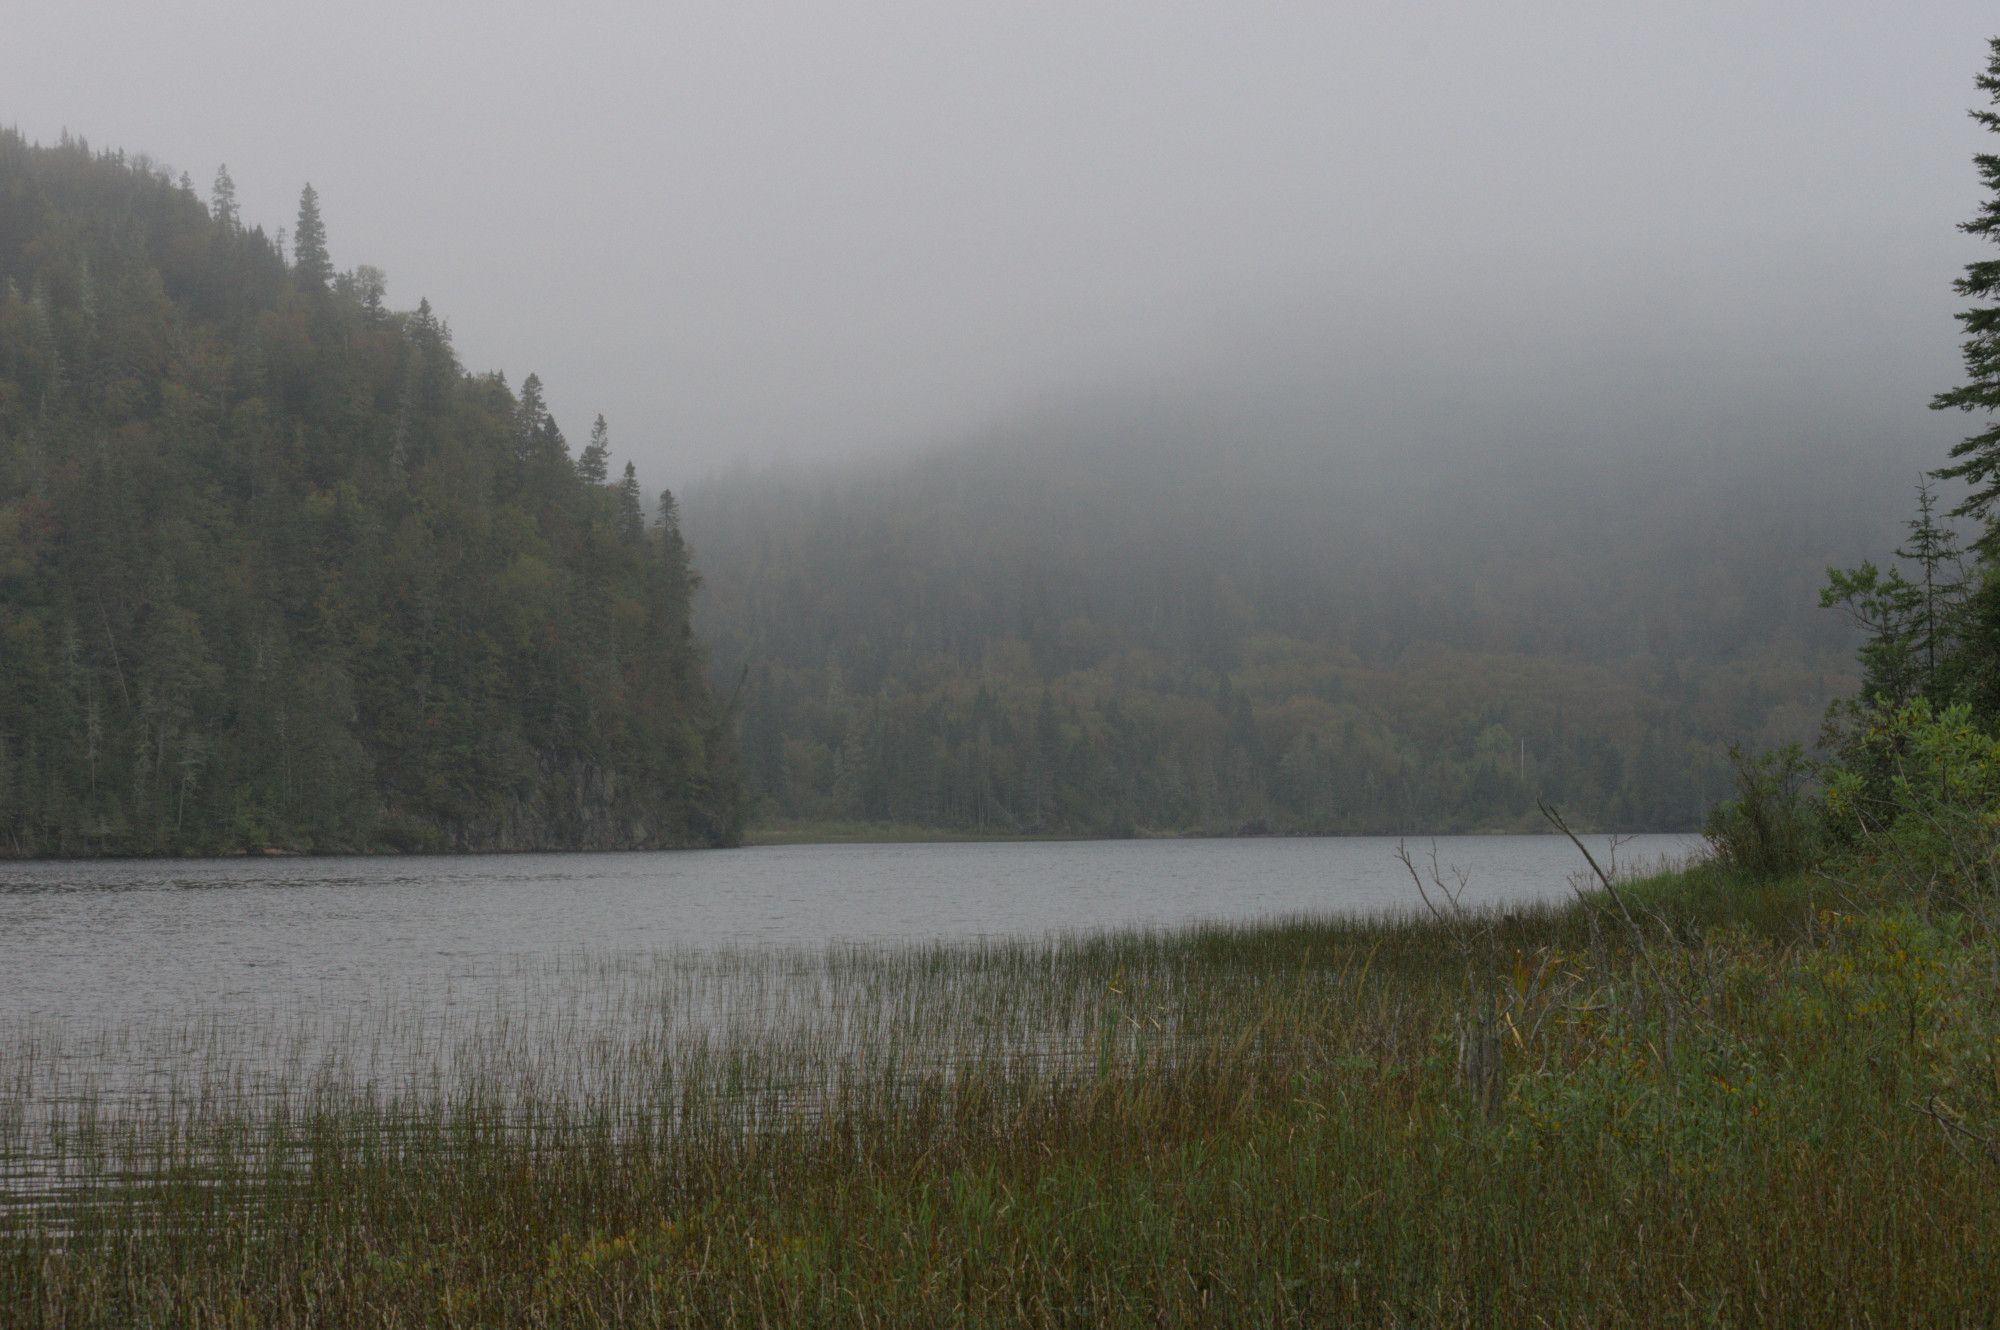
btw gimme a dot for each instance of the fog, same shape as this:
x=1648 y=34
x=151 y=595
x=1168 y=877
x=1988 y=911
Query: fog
x=760 y=234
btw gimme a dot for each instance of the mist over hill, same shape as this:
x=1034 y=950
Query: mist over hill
x=1311 y=584
x=280 y=571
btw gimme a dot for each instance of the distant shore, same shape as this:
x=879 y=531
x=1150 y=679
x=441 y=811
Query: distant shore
x=894 y=833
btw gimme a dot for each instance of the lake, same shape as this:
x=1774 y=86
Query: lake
x=140 y=991
x=114 y=941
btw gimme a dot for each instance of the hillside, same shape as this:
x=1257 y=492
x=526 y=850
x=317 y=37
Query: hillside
x=277 y=572
x=1299 y=598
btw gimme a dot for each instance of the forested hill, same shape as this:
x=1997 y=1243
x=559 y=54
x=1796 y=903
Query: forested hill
x=275 y=572
x=1242 y=603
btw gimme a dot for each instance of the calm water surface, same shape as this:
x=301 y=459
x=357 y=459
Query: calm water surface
x=115 y=941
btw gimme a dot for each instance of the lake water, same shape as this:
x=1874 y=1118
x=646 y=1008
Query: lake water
x=143 y=992
x=111 y=942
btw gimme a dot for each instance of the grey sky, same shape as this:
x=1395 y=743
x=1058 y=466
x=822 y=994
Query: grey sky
x=756 y=231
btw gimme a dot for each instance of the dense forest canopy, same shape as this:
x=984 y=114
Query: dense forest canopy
x=276 y=572
x=1286 y=592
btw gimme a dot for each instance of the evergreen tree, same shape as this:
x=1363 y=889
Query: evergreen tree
x=631 y=511
x=531 y=416
x=1972 y=664
x=1890 y=609
x=593 y=464
x=222 y=201
x=1939 y=588
x=311 y=264
x=678 y=576
x=1978 y=456
x=1939 y=635
x=435 y=366
x=549 y=444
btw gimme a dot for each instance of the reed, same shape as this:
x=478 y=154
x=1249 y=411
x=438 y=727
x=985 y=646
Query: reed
x=1768 y=1103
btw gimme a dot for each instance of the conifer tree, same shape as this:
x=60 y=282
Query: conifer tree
x=549 y=445
x=631 y=512
x=435 y=367
x=222 y=201
x=1939 y=589
x=1978 y=456
x=310 y=261
x=594 y=463
x=678 y=577
x=531 y=416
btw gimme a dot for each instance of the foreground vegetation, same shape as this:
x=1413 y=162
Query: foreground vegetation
x=1762 y=1089
x=1709 y=1098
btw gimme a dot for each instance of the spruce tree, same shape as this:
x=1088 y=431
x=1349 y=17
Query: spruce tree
x=1977 y=458
x=594 y=463
x=1973 y=665
x=311 y=264
x=1939 y=588
x=530 y=417
x=631 y=511
x=549 y=445
x=222 y=201
x=681 y=579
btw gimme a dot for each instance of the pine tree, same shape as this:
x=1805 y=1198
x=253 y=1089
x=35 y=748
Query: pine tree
x=594 y=464
x=435 y=367
x=1978 y=456
x=530 y=417
x=1940 y=587
x=222 y=201
x=549 y=445
x=678 y=565
x=631 y=512
x=311 y=264
x=1972 y=668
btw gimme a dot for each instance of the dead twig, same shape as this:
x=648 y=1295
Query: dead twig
x=1670 y=997
x=1953 y=1128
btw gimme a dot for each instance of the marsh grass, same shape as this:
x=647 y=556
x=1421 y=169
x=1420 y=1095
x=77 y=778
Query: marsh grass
x=1218 y=1125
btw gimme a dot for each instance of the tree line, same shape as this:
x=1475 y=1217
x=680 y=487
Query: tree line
x=279 y=573
x=1148 y=635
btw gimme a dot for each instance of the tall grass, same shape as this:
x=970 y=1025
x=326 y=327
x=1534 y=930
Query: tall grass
x=1216 y=1125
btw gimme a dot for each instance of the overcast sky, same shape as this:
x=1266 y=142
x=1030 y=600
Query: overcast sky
x=748 y=231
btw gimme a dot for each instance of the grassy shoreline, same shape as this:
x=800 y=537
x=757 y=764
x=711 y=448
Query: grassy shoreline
x=1769 y=1102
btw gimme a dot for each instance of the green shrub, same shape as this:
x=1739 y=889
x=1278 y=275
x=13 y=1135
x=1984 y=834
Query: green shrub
x=1921 y=800
x=1771 y=828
